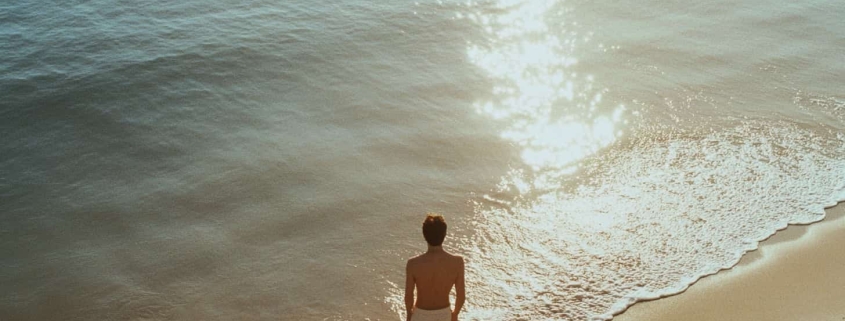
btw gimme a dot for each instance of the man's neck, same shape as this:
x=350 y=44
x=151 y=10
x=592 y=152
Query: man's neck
x=435 y=249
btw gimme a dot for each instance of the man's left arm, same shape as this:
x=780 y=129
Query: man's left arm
x=409 y=290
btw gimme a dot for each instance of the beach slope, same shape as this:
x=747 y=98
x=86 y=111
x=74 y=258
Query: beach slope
x=797 y=274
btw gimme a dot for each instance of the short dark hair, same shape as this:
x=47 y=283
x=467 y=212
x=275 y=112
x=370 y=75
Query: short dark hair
x=434 y=229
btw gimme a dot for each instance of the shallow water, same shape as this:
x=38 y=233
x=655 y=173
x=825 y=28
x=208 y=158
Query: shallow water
x=263 y=160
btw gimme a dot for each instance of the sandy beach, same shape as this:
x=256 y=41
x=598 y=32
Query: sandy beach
x=794 y=275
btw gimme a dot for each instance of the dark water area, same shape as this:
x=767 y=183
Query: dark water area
x=154 y=152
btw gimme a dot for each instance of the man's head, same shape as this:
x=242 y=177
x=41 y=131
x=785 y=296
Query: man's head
x=434 y=229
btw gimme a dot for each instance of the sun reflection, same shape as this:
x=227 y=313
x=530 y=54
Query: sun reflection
x=549 y=111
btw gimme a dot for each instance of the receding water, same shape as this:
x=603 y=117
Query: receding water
x=273 y=160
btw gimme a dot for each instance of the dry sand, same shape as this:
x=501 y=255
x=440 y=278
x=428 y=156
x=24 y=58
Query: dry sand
x=797 y=274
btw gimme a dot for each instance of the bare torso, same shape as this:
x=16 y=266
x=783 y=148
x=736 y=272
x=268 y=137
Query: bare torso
x=434 y=273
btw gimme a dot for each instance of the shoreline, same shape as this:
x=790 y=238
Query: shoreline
x=793 y=274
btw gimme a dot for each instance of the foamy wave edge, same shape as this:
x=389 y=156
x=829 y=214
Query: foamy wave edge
x=836 y=199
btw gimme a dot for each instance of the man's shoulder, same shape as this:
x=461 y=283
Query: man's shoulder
x=414 y=259
x=456 y=257
x=423 y=257
x=458 y=260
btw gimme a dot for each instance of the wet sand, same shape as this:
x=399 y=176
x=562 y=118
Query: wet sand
x=797 y=274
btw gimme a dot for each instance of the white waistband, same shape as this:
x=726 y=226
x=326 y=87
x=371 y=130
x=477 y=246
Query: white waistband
x=439 y=311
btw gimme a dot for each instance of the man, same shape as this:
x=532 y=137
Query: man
x=433 y=274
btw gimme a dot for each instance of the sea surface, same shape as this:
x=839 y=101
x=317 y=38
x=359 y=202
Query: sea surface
x=273 y=160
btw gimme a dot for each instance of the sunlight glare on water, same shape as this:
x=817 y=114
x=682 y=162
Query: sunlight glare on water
x=550 y=111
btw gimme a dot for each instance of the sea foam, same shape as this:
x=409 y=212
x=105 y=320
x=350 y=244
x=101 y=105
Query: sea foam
x=656 y=215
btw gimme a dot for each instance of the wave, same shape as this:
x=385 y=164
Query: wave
x=654 y=216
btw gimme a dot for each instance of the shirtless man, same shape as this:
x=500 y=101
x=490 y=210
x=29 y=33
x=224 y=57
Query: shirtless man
x=434 y=273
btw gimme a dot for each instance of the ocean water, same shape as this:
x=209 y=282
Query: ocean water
x=260 y=160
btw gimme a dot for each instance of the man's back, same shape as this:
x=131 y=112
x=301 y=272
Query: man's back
x=434 y=273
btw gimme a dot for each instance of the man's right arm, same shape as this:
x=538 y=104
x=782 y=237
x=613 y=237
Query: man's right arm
x=460 y=290
x=409 y=290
